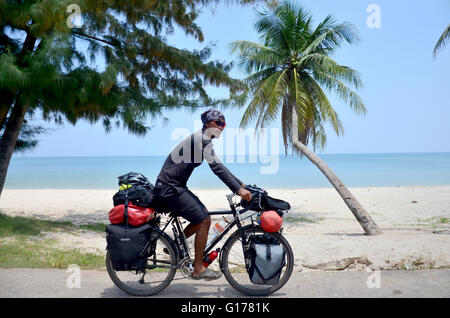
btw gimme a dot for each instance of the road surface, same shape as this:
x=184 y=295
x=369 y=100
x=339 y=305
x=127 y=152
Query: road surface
x=58 y=283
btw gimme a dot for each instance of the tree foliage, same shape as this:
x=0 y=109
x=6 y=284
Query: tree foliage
x=116 y=67
x=48 y=62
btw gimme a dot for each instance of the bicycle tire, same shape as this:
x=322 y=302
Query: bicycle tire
x=134 y=286
x=240 y=273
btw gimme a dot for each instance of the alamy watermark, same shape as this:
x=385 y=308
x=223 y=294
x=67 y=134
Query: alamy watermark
x=374 y=19
x=74 y=19
x=374 y=279
x=234 y=145
x=74 y=279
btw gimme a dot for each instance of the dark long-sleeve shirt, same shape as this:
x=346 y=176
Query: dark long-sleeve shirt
x=188 y=155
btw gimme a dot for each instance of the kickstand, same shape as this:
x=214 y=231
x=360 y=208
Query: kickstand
x=142 y=281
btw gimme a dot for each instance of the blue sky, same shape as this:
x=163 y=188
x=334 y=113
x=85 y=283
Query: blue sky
x=406 y=91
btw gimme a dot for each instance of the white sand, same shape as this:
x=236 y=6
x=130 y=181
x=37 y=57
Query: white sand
x=321 y=229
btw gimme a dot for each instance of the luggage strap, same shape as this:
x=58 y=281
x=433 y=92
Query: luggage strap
x=268 y=253
x=125 y=212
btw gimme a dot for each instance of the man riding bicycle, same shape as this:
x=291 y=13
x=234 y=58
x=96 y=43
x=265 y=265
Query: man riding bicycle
x=172 y=191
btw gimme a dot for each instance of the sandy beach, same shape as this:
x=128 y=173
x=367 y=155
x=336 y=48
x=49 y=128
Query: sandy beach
x=322 y=231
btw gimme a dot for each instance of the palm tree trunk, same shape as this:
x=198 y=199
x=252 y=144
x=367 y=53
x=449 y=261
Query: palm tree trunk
x=9 y=138
x=364 y=219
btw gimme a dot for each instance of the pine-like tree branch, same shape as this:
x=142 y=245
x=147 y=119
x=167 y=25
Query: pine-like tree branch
x=90 y=37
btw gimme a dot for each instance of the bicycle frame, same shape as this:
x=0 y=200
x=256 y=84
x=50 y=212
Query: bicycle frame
x=181 y=241
x=235 y=221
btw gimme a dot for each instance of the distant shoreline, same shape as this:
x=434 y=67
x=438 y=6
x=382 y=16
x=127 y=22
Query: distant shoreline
x=278 y=172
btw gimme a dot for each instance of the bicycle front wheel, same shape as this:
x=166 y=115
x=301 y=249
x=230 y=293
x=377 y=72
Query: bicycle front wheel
x=157 y=275
x=232 y=263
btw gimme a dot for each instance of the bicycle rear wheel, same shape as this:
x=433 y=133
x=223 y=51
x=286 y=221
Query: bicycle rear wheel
x=232 y=263
x=159 y=272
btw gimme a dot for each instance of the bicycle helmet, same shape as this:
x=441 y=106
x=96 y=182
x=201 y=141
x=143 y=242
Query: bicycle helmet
x=271 y=221
x=134 y=178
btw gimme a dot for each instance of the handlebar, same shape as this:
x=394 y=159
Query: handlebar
x=230 y=200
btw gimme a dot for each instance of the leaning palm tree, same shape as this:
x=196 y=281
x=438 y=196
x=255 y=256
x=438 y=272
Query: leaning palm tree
x=442 y=40
x=289 y=70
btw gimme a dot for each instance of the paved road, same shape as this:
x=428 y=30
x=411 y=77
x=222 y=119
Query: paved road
x=53 y=283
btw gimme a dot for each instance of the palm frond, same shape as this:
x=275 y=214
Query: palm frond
x=275 y=98
x=255 y=79
x=323 y=105
x=442 y=41
x=328 y=36
x=343 y=91
x=323 y=63
x=260 y=100
x=255 y=56
x=286 y=123
x=272 y=32
x=301 y=98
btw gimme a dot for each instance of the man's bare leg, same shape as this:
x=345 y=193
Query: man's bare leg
x=190 y=230
x=201 y=230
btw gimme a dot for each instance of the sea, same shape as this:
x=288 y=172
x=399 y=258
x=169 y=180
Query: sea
x=270 y=172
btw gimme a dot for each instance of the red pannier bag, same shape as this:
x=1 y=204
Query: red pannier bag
x=137 y=215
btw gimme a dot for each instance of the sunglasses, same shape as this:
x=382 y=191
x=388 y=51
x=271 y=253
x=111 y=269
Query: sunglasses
x=220 y=123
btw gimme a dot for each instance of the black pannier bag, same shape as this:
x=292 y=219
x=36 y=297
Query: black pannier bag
x=138 y=195
x=265 y=260
x=270 y=203
x=128 y=246
x=137 y=187
x=261 y=201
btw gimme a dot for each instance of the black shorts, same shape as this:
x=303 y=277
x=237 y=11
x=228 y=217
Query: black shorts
x=184 y=204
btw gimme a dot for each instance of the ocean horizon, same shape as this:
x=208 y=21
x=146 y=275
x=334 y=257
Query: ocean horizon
x=276 y=172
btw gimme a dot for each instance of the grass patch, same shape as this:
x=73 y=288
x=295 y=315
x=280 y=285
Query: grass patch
x=22 y=246
x=96 y=227
x=301 y=219
x=434 y=222
x=443 y=220
x=19 y=225
x=24 y=253
x=415 y=264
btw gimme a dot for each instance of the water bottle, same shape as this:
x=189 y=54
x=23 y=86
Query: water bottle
x=217 y=229
x=210 y=257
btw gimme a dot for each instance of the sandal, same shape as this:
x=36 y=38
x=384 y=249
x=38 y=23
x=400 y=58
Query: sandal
x=208 y=274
